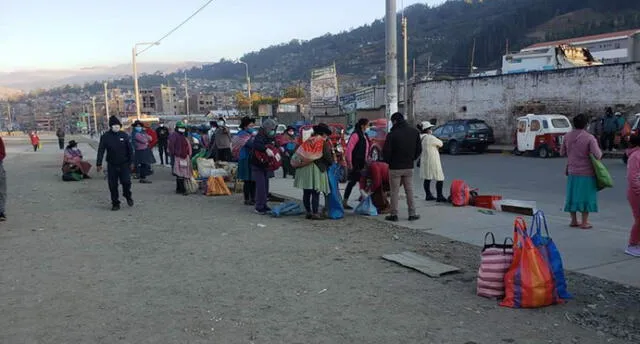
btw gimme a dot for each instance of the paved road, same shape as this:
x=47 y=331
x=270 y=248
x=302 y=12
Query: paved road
x=535 y=179
x=196 y=269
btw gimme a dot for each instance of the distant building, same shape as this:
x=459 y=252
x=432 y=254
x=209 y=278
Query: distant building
x=148 y=101
x=166 y=100
x=615 y=47
x=202 y=103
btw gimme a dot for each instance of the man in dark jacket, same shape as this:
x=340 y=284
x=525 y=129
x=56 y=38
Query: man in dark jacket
x=119 y=160
x=609 y=129
x=163 y=140
x=401 y=149
x=60 y=135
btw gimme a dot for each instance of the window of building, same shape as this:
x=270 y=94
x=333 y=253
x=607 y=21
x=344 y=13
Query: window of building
x=617 y=45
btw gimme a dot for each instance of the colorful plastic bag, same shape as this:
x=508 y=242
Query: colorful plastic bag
x=237 y=142
x=336 y=210
x=494 y=263
x=217 y=187
x=308 y=152
x=287 y=209
x=366 y=208
x=550 y=252
x=460 y=193
x=529 y=281
x=603 y=177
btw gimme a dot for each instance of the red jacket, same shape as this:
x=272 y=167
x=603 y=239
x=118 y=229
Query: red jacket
x=379 y=173
x=35 y=139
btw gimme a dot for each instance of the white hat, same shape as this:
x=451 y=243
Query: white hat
x=426 y=125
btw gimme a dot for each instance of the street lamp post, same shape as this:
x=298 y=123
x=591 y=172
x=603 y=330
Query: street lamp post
x=106 y=99
x=135 y=73
x=95 y=116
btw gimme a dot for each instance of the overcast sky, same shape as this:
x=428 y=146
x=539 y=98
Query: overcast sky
x=61 y=34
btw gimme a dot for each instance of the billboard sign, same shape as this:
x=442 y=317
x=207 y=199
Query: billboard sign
x=265 y=110
x=324 y=87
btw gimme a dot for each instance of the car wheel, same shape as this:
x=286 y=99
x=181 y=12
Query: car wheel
x=375 y=154
x=517 y=152
x=454 y=148
x=543 y=152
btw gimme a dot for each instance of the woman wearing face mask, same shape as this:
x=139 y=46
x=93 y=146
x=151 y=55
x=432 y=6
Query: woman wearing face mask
x=312 y=178
x=287 y=144
x=243 y=173
x=356 y=156
x=143 y=154
x=223 y=142
x=73 y=160
x=180 y=150
x=260 y=174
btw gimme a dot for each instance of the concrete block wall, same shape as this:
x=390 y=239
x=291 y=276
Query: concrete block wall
x=500 y=99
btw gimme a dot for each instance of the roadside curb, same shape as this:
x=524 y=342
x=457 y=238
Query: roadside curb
x=509 y=151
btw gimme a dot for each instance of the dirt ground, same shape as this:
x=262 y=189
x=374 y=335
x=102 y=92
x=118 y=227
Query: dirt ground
x=195 y=269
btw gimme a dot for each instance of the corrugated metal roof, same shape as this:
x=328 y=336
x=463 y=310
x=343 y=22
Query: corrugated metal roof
x=603 y=36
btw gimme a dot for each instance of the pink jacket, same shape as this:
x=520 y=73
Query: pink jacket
x=577 y=146
x=633 y=170
x=351 y=145
x=141 y=141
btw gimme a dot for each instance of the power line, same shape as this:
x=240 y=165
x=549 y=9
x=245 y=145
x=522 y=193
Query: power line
x=177 y=27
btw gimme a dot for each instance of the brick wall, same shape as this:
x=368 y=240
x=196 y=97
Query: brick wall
x=500 y=99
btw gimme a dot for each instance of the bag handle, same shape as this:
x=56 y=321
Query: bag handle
x=505 y=246
x=493 y=239
x=519 y=229
x=538 y=220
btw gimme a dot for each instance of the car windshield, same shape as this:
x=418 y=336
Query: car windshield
x=478 y=126
x=560 y=123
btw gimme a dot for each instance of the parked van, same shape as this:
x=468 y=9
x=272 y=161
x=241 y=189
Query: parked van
x=541 y=134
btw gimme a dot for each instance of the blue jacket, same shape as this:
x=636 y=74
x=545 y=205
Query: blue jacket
x=610 y=124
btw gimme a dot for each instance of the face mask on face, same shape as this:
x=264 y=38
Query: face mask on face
x=115 y=128
x=220 y=123
x=272 y=133
x=161 y=125
x=138 y=129
x=75 y=149
x=290 y=132
x=181 y=130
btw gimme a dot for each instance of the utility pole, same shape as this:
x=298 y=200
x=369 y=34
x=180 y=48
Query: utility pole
x=429 y=67
x=473 y=55
x=186 y=95
x=135 y=82
x=106 y=99
x=391 y=47
x=405 y=66
x=9 y=114
x=95 y=118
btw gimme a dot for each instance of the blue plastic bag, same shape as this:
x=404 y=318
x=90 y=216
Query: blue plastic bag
x=366 y=208
x=335 y=208
x=287 y=209
x=550 y=252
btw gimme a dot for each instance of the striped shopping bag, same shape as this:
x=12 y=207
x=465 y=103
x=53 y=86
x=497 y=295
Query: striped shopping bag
x=494 y=263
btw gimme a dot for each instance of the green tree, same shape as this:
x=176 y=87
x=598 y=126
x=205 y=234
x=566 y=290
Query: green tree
x=294 y=92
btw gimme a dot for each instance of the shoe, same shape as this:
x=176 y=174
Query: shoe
x=429 y=198
x=317 y=217
x=130 y=202
x=309 y=216
x=86 y=176
x=3 y=218
x=115 y=207
x=252 y=202
x=247 y=202
x=392 y=218
x=261 y=212
x=633 y=250
x=414 y=217
x=144 y=181
x=347 y=207
x=441 y=200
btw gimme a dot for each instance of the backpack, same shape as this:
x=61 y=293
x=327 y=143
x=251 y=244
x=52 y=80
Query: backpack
x=460 y=193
